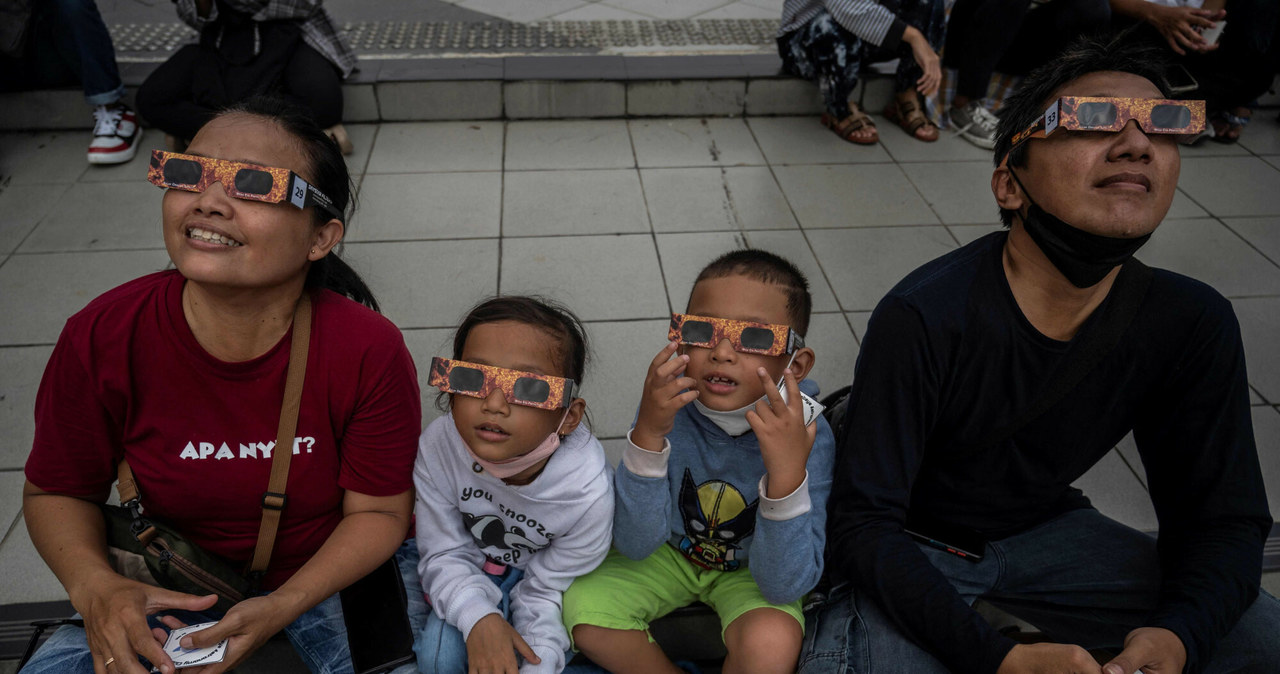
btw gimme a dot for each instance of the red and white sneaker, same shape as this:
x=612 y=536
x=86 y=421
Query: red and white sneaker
x=115 y=134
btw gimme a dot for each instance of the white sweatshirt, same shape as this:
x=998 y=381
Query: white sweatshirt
x=555 y=529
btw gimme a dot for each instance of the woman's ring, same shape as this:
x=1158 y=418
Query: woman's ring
x=108 y=662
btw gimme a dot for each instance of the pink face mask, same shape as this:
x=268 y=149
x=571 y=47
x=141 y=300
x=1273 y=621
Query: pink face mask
x=514 y=466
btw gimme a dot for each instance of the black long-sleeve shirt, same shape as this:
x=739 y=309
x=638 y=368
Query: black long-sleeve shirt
x=948 y=357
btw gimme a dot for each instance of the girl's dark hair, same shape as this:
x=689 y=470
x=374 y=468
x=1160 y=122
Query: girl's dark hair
x=548 y=315
x=1123 y=51
x=328 y=173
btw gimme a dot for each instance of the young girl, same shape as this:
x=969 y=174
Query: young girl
x=514 y=496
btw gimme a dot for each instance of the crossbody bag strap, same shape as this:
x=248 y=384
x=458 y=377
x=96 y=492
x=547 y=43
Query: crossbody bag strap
x=1130 y=289
x=274 y=499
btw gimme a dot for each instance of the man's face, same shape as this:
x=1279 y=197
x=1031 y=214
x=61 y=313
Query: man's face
x=1113 y=184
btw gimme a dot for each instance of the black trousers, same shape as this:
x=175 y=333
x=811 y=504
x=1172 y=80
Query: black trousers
x=985 y=36
x=310 y=81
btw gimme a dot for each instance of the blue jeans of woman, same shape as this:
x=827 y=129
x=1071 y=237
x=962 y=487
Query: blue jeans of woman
x=319 y=635
x=68 y=43
x=825 y=52
x=1081 y=578
x=440 y=647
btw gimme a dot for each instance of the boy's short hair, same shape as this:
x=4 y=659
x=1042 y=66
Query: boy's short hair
x=1123 y=52
x=766 y=267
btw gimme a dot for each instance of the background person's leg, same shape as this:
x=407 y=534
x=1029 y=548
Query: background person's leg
x=82 y=39
x=313 y=83
x=979 y=33
x=1048 y=29
x=823 y=51
x=165 y=98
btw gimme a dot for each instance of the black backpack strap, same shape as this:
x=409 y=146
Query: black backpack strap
x=1089 y=349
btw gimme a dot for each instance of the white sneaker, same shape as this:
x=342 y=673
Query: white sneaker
x=975 y=123
x=115 y=134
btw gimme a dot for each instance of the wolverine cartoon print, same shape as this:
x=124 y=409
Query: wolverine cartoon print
x=716 y=517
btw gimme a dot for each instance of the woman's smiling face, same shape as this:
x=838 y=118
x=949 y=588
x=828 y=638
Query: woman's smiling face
x=217 y=240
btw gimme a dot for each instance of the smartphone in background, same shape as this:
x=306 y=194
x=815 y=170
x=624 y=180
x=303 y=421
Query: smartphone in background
x=376 y=614
x=960 y=541
x=1178 y=80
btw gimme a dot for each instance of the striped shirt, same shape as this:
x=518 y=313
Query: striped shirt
x=318 y=29
x=867 y=19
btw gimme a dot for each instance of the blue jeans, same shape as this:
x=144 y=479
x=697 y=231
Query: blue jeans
x=67 y=43
x=319 y=635
x=1081 y=578
x=440 y=647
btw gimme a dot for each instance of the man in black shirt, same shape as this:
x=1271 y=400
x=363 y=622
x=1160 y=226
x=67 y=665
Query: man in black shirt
x=940 y=440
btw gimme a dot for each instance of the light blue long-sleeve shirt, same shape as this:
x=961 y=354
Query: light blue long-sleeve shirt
x=704 y=495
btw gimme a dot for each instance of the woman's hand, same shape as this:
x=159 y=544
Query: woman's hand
x=492 y=645
x=1178 y=26
x=247 y=626
x=115 y=611
x=926 y=58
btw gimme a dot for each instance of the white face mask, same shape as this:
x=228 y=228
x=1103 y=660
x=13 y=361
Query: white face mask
x=734 y=422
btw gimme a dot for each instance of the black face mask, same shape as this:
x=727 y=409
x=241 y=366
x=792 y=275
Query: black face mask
x=1083 y=257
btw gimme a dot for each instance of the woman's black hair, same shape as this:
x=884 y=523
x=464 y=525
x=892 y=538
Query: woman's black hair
x=542 y=313
x=328 y=173
x=1122 y=51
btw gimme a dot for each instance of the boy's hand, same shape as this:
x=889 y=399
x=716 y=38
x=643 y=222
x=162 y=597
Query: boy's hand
x=785 y=441
x=491 y=647
x=662 y=398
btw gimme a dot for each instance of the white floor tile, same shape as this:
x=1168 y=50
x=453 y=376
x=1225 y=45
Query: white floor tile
x=44 y=156
x=411 y=206
x=667 y=143
x=569 y=144
x=835 y=351
x=418 y=147
x=803 y=140
x=864 y=264
x=525 y=11
x=684 y=255
x=1232 y=186
x=427 y=284
x=1260 y=325
x=958 y=192
x=621 y=353
x=1266 y=433
x=598 y=277
x=794 y=247
x=23 y=366
x=19 y=559
x=38 y=293
x=22 y=207
x=668 y=9
x=853 y=196
x=948 y=147
x=539 y=203
x=1117 y=493
x=1206 y=250
x=101 y=216
x=702 y=199
x=1262 y=233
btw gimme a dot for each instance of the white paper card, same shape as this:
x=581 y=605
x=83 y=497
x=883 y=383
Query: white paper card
x=193 y=657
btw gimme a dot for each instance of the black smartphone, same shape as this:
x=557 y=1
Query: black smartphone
x=960 y=541
x=1178 y=80
x=376 y=614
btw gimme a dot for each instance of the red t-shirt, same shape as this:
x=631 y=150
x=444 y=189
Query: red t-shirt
x=128 y=379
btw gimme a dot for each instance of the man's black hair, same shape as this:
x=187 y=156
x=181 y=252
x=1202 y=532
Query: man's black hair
x=766 y=267
x=1123 y=52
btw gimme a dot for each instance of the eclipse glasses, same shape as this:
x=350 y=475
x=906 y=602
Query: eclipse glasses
x=1094 y=113
x=194 y=173
x=521 y=388
x=765 y=339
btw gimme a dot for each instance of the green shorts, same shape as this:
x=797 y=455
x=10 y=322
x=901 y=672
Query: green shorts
x=624 y=594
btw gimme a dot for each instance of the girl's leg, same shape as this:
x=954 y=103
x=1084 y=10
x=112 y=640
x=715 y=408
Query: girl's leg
x=440 y=647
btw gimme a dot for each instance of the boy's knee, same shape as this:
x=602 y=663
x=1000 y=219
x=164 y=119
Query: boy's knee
x=768 y=638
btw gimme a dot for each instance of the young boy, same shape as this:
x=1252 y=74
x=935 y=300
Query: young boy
x=722 y=500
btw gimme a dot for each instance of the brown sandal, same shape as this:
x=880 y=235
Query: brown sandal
x=855 y=122
x=906 y=113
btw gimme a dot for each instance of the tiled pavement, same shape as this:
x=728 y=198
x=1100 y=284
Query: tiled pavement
x=615 y=217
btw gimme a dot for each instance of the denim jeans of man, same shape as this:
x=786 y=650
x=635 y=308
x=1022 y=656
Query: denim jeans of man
x=1081 y=578
x=319 y=635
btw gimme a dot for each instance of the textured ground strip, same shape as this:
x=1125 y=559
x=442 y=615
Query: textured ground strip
x=495 y=36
